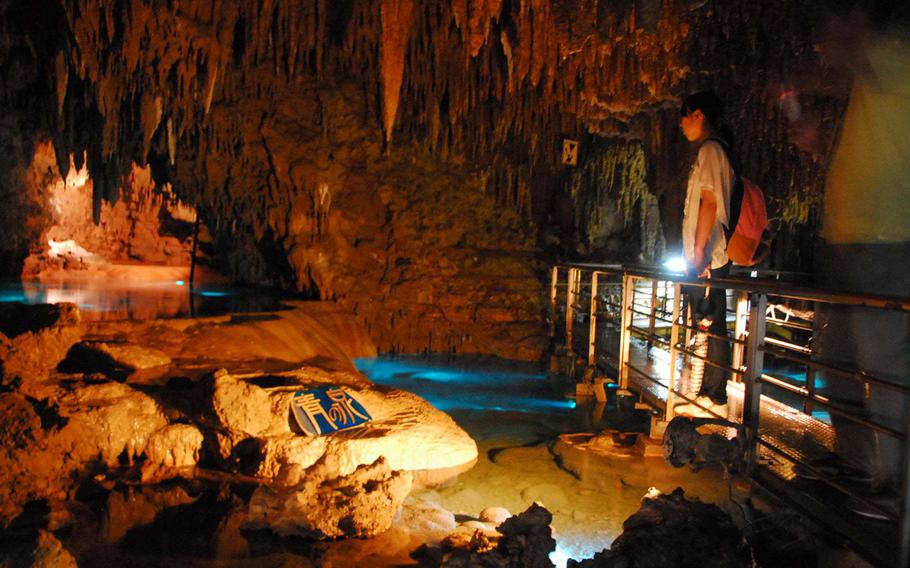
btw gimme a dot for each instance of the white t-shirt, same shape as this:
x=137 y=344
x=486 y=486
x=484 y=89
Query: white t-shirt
x=712 y=172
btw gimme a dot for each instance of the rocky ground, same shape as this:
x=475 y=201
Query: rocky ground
x=121 y=410
x=173 y=441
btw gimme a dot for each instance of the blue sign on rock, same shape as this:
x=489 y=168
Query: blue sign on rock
x=326 y=409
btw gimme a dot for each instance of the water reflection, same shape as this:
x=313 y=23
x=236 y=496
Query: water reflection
x=99 y=299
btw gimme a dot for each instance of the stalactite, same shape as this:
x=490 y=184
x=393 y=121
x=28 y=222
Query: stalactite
x=396 y=27
x=498 y=84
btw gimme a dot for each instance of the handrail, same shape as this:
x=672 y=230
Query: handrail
x=639 y=297
x=760 y=286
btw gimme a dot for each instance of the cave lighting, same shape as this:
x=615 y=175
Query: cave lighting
x=676 y=264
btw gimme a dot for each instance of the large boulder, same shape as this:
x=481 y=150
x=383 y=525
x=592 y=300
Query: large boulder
x=119 y=360
x=360 y=504
x=673 y=531
x=50 y=444
x=41 y=551
x=171 y=451
x=405 y=429
x=34 y=339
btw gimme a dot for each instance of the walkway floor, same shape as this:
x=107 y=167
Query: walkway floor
x=794 y=434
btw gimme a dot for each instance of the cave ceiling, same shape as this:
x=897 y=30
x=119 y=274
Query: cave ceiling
x=338 y=138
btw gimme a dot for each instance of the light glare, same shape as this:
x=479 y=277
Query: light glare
x=676 y=264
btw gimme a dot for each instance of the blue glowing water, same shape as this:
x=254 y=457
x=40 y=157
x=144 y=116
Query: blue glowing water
x=464 y=384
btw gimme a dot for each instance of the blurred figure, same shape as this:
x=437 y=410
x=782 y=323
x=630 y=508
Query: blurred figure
x=866 y=249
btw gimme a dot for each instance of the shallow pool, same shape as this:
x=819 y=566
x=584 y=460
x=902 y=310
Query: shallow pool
x=517 y=416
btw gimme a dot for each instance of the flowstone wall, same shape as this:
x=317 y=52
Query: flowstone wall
x=403 y=157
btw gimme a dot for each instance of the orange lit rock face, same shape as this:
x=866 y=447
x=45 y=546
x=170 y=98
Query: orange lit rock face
x=144 y=227
x=316 y=138
x=79 y=426
x=396 y=30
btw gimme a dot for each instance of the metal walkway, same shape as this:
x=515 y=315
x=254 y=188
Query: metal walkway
x=630 y=321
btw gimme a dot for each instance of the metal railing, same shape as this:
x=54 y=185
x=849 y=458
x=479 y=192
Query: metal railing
x=641 y=309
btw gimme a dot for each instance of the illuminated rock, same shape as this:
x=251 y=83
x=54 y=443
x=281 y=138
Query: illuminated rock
x=35 y=338
x=54 y=441
x=496 y=515
x=134 y=357
x=405 y=429
x=522 y=540
x=170 y=451
x=362 y=503
x=117 y=360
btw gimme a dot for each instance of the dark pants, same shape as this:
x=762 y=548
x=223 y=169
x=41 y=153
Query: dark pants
x=877 y=341
x=714 y=307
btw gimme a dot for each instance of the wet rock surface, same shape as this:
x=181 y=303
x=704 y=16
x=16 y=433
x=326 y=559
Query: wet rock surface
x=147 y=450
x=42 y=550
x=34 y=339
x=71 y=433
x=673 y=531
x=363 y=503
x=521 y=540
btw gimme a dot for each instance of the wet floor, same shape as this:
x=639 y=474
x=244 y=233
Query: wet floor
x=517 y=417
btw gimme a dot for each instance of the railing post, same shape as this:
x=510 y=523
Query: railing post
x=554 y=277
x=810 y=389
x=651 y=325
x=592 y=319
x=571 y=299
x=739 y=330
x=674 y=339
x=625 y=336
x=755 y=364
x=687 y=316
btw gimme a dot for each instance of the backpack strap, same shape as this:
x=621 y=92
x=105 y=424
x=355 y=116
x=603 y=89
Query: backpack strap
x=736 y=195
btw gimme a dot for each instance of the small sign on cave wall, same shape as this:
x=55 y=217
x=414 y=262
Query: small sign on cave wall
x=569 y=151
x=326 y=409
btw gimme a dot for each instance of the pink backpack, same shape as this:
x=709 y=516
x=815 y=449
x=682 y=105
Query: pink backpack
x=750 y=241
x=748 y=236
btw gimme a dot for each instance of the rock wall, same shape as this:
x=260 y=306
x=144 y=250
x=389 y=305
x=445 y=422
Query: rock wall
x=402 y=157
x=146 y=225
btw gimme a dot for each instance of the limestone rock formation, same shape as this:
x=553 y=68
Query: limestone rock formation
x=403 y=158
x=314 y=332
x=170 y=451
x=45 y=552
x=405 y=430
x=34 y=339
x=56 y=440
x=363 y=503
x=145 y=225
x=521 y=540
x=673 y=531
x=117 y=360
